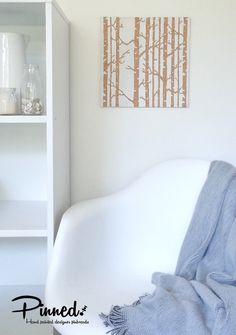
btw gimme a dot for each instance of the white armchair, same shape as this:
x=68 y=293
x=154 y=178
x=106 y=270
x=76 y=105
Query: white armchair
x=107 y=249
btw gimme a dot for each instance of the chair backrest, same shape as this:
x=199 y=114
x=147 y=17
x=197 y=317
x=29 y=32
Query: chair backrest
x=120 y=240
x=161 y=204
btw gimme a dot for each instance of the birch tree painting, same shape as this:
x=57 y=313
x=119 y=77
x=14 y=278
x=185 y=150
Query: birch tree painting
x=145 y=62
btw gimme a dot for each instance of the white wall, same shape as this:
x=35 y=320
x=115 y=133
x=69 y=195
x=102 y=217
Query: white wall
x=110 y=147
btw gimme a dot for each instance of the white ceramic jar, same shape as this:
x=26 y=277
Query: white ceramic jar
x=12 y=59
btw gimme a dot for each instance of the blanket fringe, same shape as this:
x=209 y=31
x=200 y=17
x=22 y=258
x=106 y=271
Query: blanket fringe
x=117 y=320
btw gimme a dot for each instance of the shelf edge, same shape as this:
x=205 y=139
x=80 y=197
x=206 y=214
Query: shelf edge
x=23 y=233
x=22 y=119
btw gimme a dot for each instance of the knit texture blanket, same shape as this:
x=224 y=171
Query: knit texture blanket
x=200 y=298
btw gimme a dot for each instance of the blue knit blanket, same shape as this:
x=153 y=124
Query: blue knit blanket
x=200 y=298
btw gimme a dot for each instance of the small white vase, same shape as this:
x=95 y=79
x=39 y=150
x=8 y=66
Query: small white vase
x=12 y=59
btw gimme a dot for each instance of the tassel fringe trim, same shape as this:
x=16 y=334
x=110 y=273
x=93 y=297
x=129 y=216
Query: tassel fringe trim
x=117 y=319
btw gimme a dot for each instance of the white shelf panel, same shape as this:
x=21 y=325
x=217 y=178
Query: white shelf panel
x=23 y=119
x=13 y=323
x=23 y=233
x=23 y=219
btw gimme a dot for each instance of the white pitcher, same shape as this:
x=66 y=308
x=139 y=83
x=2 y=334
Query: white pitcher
x=12 y=59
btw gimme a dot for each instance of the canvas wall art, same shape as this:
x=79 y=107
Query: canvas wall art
x=145 y=62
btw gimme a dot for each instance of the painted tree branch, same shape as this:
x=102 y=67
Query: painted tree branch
x=156 y=73
x=174 y=50
x=126 y=43
x=122 y=93
x=177 y=91
x=130 y=68
x=157 y=45
x=178 y=33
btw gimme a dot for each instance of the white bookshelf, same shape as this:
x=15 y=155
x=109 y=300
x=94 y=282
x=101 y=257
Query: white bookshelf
x=34 y=152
